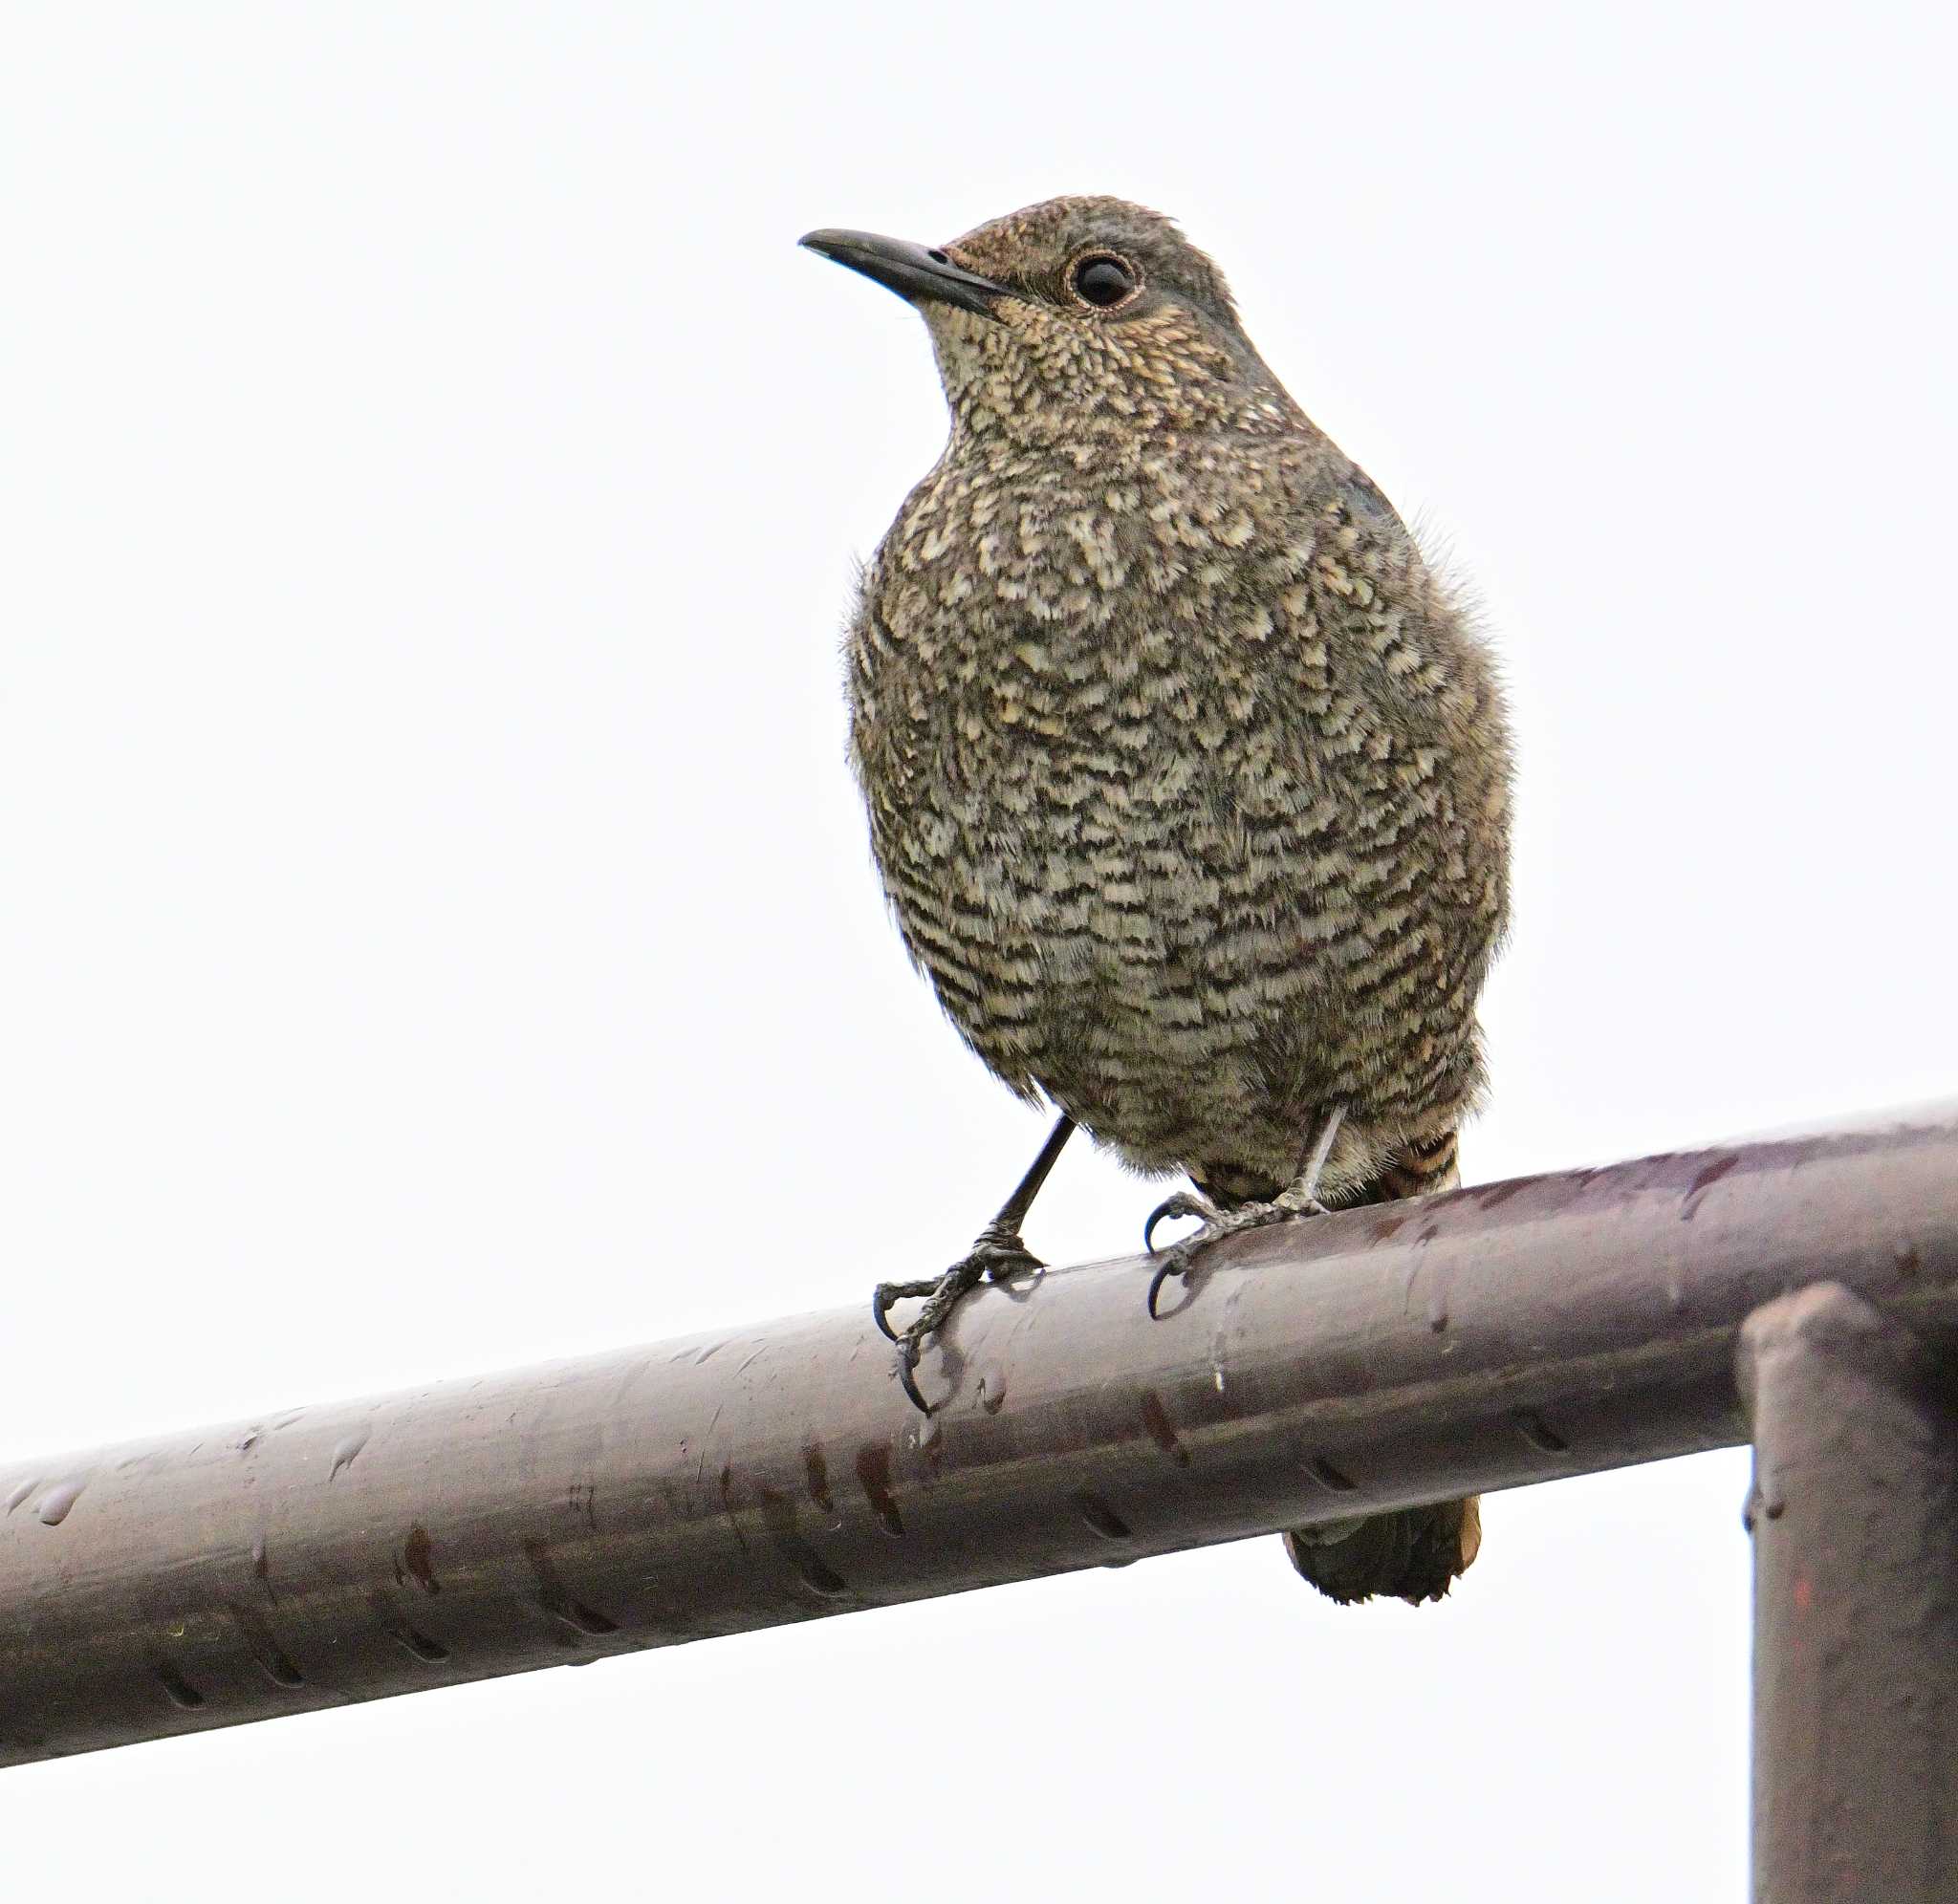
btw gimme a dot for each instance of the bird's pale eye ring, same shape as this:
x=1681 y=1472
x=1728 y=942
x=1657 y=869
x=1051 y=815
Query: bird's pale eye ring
x=1103 y=281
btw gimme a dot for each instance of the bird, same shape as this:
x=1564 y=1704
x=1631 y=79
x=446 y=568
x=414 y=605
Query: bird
x=1188 y=776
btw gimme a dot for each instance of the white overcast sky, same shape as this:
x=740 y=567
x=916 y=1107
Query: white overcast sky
x=438 y=931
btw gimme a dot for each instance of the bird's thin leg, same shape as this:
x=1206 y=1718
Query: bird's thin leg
x=1304 y=1189
x=1300 y=1197
x=996 y=1251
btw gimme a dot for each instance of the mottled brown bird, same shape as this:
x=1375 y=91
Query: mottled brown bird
x=1188 y=779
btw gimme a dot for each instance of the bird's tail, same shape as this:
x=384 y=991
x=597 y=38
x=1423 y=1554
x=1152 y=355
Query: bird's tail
x=1416 y=1553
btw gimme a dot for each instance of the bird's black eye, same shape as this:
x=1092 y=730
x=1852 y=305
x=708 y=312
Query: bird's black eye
x=1103 y=282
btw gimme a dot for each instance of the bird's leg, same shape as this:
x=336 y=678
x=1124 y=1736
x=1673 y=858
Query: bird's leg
x=1298 y=1198
x=997 y=1252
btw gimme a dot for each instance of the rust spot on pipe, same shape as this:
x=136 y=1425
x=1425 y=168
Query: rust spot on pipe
x=556 y=1603
x=931 y=1444
x=274 y=1661
x=815 y=1465
x=418 y=1557
x=778 y=1514
x=727 y=1504
x=1162 y=1430
x=1696 y=1190
x=410 y=1640
x=874 y=1471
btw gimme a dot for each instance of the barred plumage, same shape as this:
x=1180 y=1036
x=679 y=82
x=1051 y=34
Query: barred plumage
x=1187 y=778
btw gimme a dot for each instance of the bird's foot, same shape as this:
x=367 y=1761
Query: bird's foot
x=996 y=1253
x=1180 y=1257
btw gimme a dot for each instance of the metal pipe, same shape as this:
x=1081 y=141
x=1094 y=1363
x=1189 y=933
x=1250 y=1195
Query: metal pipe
x=1480 y=1339
x=1854 y=1513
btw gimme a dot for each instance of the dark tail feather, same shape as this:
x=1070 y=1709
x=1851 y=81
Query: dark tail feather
x=1417 y=1553
x=1414 y=1555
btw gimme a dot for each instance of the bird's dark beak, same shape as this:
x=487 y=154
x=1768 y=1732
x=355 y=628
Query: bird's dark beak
x=909 y=269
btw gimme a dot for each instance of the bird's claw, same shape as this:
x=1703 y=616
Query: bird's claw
x=886 y=1295
x=907 y=1371
x=996 y=1254
x=1218 y=1223
x=1179 y=1256
x=1163 y=1272
x=1185 y=1203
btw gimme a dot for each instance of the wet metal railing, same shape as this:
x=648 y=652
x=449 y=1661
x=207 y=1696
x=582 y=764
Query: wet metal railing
x=1476 y=1340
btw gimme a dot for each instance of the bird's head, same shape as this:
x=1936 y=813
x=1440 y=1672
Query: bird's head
x=1077 y=320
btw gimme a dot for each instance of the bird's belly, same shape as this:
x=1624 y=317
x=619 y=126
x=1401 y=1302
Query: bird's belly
x=1185 y=978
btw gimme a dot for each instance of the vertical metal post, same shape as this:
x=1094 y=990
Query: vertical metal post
x=1853 y=1514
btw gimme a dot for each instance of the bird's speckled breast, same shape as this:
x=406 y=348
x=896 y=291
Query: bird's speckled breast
x=1187 y=789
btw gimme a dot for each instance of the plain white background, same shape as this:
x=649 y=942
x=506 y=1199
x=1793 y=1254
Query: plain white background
x=438 y=931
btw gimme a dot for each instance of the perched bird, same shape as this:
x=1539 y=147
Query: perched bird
x=1188 y=779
